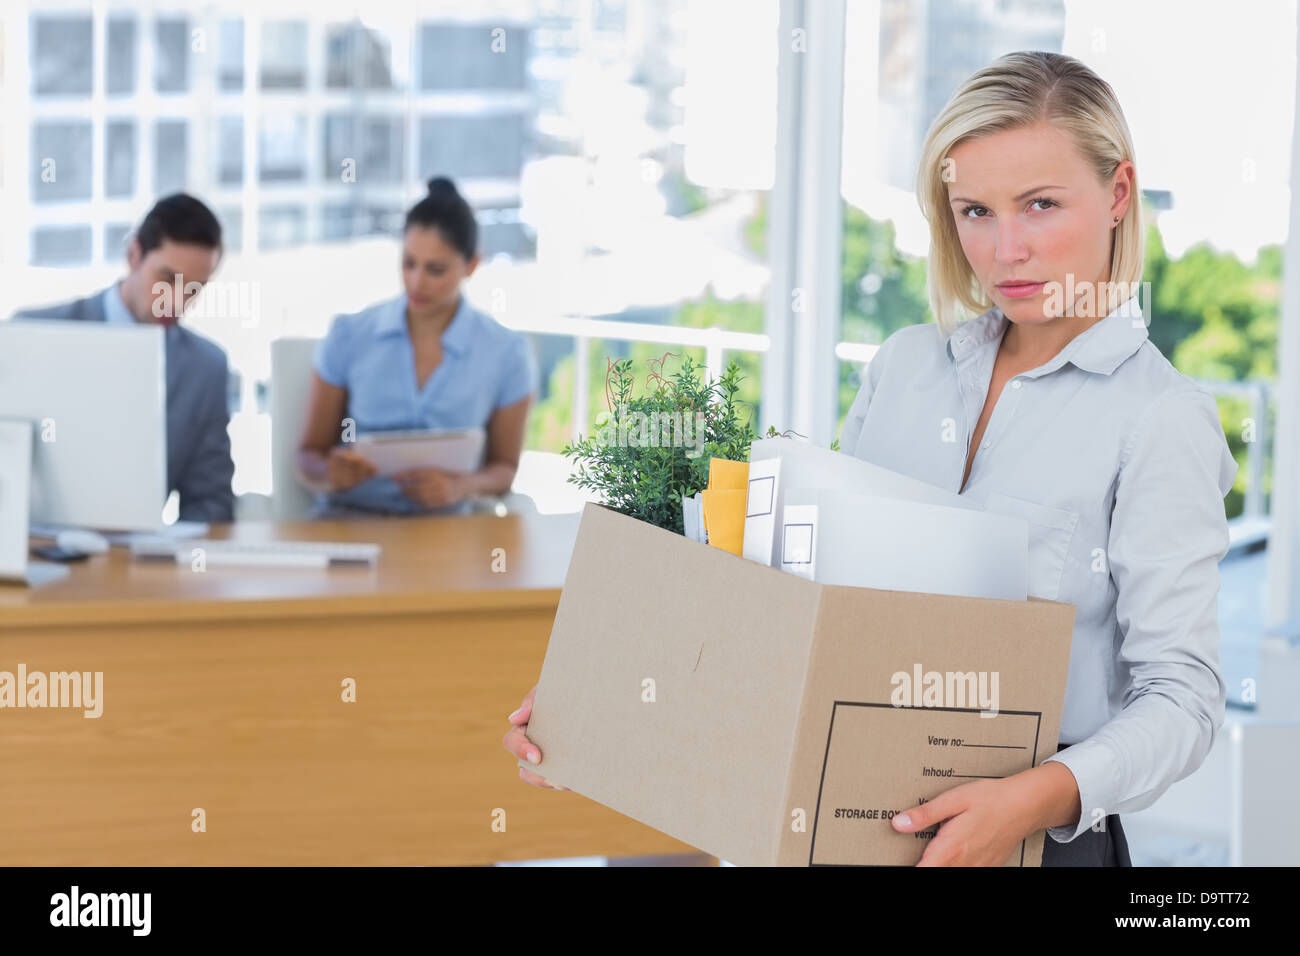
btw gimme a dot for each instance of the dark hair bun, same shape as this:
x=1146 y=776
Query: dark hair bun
x=441 y=187
x=445 y=209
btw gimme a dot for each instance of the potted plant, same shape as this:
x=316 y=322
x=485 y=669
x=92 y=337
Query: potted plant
x=650 y=450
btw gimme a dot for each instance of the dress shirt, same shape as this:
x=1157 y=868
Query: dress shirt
x=115 y=311
x=1119 y=465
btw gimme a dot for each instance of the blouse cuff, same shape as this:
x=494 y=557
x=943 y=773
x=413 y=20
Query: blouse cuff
x=1097 y=776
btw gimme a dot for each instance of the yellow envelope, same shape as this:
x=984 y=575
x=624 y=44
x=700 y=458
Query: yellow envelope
x=724 y=518
x=724 y=504
x=728 y=474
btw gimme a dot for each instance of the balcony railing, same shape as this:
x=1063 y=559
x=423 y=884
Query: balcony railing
x=714 y=341
x=1251 y=526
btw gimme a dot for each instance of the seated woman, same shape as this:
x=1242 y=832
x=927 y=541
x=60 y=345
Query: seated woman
x=424 y=360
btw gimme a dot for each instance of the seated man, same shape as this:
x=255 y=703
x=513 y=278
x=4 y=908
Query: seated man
x=177 y=244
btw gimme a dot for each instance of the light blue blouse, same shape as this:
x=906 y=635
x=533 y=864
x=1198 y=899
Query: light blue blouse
x=484 y=366
x=1119 y=464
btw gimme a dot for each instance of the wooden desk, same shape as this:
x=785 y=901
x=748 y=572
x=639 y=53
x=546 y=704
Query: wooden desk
x=222 y=690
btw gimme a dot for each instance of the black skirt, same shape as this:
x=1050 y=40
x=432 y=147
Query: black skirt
x=1106 y=846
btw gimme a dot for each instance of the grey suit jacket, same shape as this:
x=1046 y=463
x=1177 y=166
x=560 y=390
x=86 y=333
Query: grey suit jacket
x=199 y=466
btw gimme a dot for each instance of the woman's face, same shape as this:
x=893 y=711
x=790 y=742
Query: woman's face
x=1029 y=209
x=432 y=270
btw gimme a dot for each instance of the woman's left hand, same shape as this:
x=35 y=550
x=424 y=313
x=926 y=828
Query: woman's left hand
x=432 y=487
x=982 y=821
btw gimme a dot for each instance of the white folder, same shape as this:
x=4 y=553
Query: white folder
x=868 y=541
x=778 y=465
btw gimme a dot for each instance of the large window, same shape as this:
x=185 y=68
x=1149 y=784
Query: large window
x=284 y=55
x=171 y=156
x=120 y=56
x=230 y=55
x=120 y=152
x=491 y=145
x=61 y=60
x=61 y=151
x=363 y=148
x=619 y=186
x=620 y=156
x=171 y=55
x=480 y=57
x=230 y=150
x=282 y=147
x=357 y=57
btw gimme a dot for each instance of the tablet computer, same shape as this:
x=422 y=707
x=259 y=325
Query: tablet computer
x=458 y=449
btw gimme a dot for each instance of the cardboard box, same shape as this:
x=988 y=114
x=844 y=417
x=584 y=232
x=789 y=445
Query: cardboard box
x=756 y=714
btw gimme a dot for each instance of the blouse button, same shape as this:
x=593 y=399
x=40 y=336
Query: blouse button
x=1015 y=383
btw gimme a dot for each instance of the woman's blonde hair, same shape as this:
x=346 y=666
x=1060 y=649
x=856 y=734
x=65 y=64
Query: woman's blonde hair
x=1018 y=90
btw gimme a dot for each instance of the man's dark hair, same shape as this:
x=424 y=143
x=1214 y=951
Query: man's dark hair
x=180 y=218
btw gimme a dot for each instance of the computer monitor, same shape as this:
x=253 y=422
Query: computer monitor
x=95 y=397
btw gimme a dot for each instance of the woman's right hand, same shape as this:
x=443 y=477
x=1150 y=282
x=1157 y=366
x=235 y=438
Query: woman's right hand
x=518 y=744
x=348 y=468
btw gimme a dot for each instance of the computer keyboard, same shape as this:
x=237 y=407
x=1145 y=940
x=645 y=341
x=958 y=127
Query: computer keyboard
x=263 y=554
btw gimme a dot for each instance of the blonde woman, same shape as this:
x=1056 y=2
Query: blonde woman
x=1038 y=394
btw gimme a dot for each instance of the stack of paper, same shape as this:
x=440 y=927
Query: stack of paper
x=779 y=464
x=836 y=519
x=836 y=537
x=693 y=518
